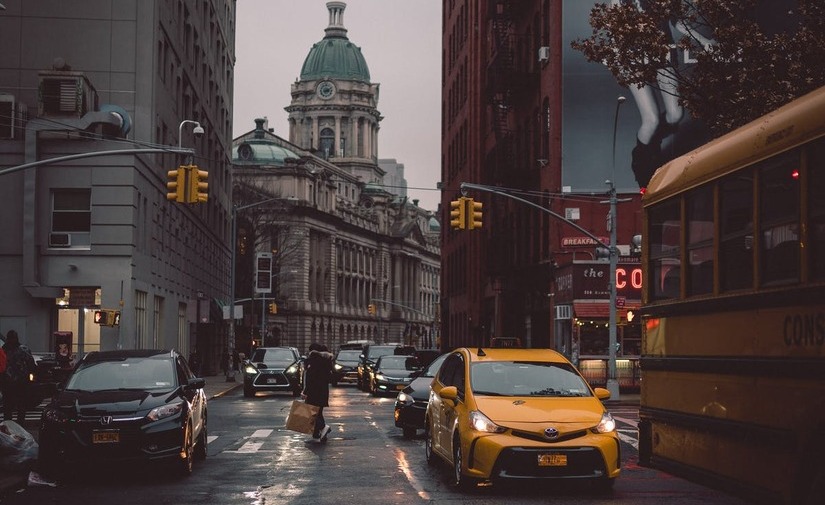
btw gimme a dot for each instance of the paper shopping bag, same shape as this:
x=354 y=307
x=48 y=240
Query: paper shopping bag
x=301 y=417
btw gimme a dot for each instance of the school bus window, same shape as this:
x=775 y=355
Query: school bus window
x=665 y=234
x=736 y=231
x=816 y=209
x=699 y=210
x=779 y=218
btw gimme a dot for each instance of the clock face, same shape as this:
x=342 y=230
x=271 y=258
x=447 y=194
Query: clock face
x=326 y=89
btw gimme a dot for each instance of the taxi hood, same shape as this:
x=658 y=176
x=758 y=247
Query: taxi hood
x=526 y=409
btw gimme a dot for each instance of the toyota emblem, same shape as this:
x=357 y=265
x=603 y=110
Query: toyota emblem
x=551 y=433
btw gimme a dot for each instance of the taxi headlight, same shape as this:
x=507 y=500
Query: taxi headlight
x=165 y=411
x=606 y=425
x=480 y=422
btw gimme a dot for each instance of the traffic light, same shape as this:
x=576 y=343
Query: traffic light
x=198 y=187
x=176 y=184
x=107 y=317
x=371 y=309
x=474 y=214
x=273 y=308
x=458 y=213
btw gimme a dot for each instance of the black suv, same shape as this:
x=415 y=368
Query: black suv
x=273 y=369
x=368 y=358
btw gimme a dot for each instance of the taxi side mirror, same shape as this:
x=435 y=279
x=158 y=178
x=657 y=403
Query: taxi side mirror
x=602 y=393
x=449 y=393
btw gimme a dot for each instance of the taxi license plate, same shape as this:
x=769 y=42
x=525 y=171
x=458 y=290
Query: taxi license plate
x=552 y=459
x=106 y=437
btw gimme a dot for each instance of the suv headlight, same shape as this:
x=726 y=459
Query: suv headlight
x=165 y=411
x=292 y=369
x=480 y=422
x=606 y=425
x=338 y=367
x=405 y=399
x=55 y=416
x=250 y=369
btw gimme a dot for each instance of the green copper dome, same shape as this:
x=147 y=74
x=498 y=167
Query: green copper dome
x=335 y=57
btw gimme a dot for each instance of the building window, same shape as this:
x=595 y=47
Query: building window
x=71 y=218
x=327 y=143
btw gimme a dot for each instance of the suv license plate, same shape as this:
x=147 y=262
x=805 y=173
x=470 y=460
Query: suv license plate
x=105 y=437
x=552 y=459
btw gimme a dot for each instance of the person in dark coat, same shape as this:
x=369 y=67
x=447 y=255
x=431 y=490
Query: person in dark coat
x=319 y=365
x=19 y=364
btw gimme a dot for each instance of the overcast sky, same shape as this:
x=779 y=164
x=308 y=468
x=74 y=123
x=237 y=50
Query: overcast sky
x=401 y=42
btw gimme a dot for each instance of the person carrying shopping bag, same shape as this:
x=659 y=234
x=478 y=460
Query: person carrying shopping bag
x=319 y=366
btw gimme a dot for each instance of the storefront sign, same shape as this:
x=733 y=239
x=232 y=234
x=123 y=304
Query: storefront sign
x=81 y=297
x=591 y=281
x=582 y=241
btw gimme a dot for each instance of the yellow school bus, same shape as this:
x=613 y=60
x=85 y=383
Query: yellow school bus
x=733 y=349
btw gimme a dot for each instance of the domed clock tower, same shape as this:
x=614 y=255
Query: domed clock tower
x=333 y=110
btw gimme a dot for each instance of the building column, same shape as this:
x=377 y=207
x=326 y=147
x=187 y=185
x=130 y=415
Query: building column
x=338 y=152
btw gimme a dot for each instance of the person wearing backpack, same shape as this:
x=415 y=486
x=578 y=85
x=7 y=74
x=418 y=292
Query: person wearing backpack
x=19 y=364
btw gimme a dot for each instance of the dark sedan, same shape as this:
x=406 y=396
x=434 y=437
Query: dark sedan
x=411 y=402
x=273 y=369
x=120 y=406
x=346 y=367
x=392 y=373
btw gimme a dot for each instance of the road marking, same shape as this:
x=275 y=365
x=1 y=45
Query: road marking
x=261 y=434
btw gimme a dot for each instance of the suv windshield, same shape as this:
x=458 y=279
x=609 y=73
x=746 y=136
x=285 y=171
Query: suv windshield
x=348 y=355
x=130 y=373
x=273 y=355
x=381 y=350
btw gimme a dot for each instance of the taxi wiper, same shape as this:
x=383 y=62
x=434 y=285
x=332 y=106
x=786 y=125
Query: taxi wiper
x=486 y=393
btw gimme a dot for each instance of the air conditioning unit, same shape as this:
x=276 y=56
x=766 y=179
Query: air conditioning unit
x=65 y=93
x=544 y=54
x=13 y=117
x=60 y=239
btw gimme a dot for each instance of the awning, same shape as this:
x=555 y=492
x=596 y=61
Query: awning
x=600 y=309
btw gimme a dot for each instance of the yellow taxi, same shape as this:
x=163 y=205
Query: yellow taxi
x=499 y=414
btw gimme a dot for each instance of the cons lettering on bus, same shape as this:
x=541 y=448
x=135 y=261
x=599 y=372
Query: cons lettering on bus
x=804 y=329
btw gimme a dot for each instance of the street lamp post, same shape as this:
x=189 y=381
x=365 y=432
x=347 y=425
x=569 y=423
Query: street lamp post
x=612 y=381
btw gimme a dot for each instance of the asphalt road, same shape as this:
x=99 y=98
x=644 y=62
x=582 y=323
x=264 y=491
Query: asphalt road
x=252 y=460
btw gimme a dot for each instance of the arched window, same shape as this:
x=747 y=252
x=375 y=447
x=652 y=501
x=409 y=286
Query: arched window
x=327 y=142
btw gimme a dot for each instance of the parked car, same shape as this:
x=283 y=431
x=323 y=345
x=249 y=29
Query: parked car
x=392 y=373
x=121 y=406
x=48 y=375
x=498 y=414
x=273 y=369
x=411 y=402
x=367 y=358
x=346 y=367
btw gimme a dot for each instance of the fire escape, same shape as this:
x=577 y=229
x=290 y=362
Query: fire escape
x=501 y=76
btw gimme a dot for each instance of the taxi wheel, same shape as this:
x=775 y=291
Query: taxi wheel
x=429 y=455
x=460 y=480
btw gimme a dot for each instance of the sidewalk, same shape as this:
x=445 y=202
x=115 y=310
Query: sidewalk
x=216 y=386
